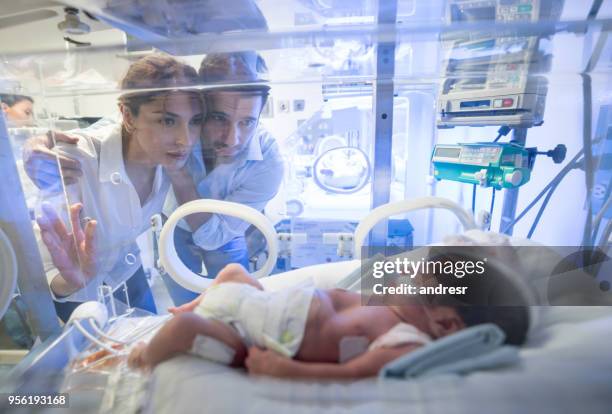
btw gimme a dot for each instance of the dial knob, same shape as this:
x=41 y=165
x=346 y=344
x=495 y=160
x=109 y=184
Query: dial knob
x=514 y=178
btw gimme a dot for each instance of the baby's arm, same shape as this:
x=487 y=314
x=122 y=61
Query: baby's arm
x=177 y=336
x=266 y=362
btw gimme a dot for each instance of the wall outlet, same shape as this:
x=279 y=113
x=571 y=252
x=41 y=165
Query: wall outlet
x=298 y=105
x=283 y=106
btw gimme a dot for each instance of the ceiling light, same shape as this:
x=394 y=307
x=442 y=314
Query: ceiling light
x=72 y=24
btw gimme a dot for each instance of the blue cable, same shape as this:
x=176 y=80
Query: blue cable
x=491 y=209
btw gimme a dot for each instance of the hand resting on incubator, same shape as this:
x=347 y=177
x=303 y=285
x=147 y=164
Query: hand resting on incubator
x=303 y=332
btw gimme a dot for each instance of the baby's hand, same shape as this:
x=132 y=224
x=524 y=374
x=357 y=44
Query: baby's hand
x=136 y=357
x=266 y=362
x=187 y=307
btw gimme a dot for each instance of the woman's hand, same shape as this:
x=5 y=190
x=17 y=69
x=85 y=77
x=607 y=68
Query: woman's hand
x=186 y=191
x=179 y=176
x=41 y=162
x=73 y=254
x=269 y=363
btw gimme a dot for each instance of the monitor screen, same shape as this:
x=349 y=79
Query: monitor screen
x=447 y=152
x=472 y=14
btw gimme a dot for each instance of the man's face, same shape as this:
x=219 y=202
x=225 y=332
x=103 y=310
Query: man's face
x=19 y=114
x=231 y=120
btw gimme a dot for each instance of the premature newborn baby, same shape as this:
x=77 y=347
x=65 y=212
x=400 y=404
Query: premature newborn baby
x=299 y=332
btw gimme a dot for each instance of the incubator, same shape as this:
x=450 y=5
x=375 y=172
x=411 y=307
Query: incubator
x=336 y=129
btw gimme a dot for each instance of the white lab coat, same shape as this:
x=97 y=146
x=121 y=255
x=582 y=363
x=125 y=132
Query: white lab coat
x=109 y=197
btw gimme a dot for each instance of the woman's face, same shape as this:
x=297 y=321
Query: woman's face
x=166 y=128
x=20 y=114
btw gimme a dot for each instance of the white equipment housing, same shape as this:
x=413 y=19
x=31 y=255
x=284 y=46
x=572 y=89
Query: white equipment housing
x=490 y=79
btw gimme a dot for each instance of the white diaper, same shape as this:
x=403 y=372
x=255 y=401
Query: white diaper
x=400 y=334
x=212 y=349
x=271 y=320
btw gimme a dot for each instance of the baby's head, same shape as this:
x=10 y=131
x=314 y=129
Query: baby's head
x=496 y=295
x=512 y=320
x=439 y=321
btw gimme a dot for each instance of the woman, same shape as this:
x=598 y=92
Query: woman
x=18 y=109
x=123 y=182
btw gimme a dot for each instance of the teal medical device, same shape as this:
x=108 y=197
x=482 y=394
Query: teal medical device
x=497 y=165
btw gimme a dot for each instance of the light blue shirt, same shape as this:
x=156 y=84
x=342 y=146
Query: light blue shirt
x=252 y=179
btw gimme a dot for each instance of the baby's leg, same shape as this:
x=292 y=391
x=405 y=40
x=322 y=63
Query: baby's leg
x=237 y=274
x=177 y=337
x=231 y=273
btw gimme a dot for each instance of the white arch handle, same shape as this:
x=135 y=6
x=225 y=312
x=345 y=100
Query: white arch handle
x=405 y=206
x=173 y=265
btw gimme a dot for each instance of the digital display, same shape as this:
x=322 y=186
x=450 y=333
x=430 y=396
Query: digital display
x=472 y=14
x=468 y=67
x=488 y=44
x=475 y=104
x=448 y=152
x=474 y=83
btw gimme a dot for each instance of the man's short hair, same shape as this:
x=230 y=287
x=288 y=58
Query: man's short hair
x=246 y=72
x=12 y=99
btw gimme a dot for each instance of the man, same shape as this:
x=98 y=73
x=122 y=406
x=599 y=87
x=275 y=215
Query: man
x=18 y=109
x=242 y=164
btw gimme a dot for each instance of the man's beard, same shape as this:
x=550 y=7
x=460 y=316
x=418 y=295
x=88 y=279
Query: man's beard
x=211 y=159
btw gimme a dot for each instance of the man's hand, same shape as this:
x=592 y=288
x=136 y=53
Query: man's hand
x=269 y=363
x=73 y=254
x=41 y=162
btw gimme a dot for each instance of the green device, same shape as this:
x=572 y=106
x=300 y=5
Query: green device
x=497 y=165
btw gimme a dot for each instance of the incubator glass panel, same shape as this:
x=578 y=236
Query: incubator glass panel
x=279 y=111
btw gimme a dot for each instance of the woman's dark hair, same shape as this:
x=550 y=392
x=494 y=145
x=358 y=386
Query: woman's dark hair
x=157 y=71
x=12 y=99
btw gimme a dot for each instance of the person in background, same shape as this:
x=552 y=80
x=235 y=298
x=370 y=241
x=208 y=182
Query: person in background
x=18 y=109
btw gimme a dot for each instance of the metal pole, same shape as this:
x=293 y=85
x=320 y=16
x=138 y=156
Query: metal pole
x=383 y=120
x=519 y=136
x=16 y=222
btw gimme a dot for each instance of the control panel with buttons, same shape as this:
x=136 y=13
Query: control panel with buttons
x=497 y=165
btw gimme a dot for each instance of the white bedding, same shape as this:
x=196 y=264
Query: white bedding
x=566 y=367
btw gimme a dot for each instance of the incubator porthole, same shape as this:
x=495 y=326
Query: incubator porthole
x=130 y=259
x=294 y=208
x=342 y=170
x=115 y=178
